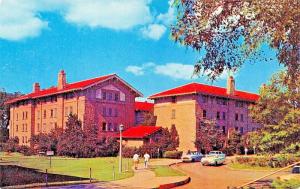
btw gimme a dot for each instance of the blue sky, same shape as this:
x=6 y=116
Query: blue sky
x=91 y=38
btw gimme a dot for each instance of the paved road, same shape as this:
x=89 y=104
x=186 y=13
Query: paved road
x=220 y=177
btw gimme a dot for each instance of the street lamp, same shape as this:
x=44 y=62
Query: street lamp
x=121 y=127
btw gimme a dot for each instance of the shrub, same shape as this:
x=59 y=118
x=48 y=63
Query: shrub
x=172 y=154
x=11 y=145
x=292 y=183
x=128 y=152
x=26 y=150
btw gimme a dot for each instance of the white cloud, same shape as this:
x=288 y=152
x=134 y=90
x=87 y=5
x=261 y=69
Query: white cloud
x=175 y=70
x=113 y=14
x=168 y=17
x=154 y=31
x=139 y=70
x=136 y=70
x=19 y=20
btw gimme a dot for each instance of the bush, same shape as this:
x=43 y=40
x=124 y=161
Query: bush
x=128 y=152
x=25 y=150
x=292 y=183
x=172 y=154
x=11 y=145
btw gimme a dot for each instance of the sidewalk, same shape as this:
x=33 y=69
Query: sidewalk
x=145 y=178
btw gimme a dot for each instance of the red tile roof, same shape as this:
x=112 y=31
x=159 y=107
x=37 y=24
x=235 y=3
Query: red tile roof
x=143 y=106
x=139 y=132
x=69 y=87
x=194 y=88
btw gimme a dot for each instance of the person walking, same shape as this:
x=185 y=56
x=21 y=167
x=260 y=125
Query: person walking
x=135 y=161
x=146 y=159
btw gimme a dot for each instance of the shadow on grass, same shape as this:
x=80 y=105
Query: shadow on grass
x=11 y=175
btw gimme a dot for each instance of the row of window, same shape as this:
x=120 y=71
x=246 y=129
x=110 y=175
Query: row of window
x=53 y=113
x=238 y=117
x=24 y=128
x=42 y=128
x=24 y=139
x=24 y=116
x=222 y=101
x=110 y=126
x=110 y=112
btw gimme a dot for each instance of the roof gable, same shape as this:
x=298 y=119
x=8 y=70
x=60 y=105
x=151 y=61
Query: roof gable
x=139 y=132
x=72 y=87
x=194 y=88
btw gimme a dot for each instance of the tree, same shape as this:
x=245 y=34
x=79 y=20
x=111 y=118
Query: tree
x=43 y=142
x=70 y=143
x=209 y=137
x=278 y=110
x=149 y=118
x=234 y=142
x=4 y=114
x=228 y=32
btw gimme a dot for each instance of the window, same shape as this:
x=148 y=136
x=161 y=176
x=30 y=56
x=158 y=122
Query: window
x=71 y=110
x=109 y=96
x=204 y=98
x=223 y=129
x=26 y=115
x=173 y=114
x=23 y=116
x=51 y=113
x=236 y=117
x=55 y=112
x=38 y=127
x=242 y=117
x=53 y=99
x=103 y=126
x=236 y=129
x=104 y=95
x=104 y=111
x=218 y=115
x=116 y=97
x=224 y=116
x=44 y=127
x=239 y=104
x=116 y=112
x=110 y=127
x=17 y=128
x=22 y=139
x=66 y=111
x=17 y=116
x=38 y=114
x=98 y=93
x=26 y=139
x=204 y=113
x=173 y=99
x=241 y=130
x=55 y=125
x=45 y=114
x=69 y=95
x=26 y=127
x=109 y=112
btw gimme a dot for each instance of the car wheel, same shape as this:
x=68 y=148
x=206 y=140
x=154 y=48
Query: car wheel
x=193 y=160
x=216 y=163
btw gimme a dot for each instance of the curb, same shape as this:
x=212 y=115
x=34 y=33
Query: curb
x=175 y=184
x=34 y=185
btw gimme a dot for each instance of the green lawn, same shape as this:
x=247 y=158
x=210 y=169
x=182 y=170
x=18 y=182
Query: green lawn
x=165 y=171
x=102 y=168
x=239 y=166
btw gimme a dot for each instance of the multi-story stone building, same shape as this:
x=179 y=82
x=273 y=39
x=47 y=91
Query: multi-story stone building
x=106 y=101
x=187 y=106
x=141 y=111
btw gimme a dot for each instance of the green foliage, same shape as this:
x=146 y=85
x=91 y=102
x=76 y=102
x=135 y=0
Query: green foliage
x=234 y=143
x=208 y=137
x=172 y=154
x=165 y=171
x=286 y=184
x=278 y=110
x=280 y=160
x=227 y=33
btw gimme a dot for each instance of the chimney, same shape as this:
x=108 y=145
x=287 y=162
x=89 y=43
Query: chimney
x=230 y=86
x=61 y=83
x=36 y=87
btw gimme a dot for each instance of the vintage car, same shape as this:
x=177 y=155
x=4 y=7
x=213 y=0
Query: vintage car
x=192 y=156
x=214 y=158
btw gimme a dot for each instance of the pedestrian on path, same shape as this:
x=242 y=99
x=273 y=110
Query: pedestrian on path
x=135 y=160
x=146 y=159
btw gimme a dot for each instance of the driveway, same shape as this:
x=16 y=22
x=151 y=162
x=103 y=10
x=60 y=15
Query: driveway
x=220 y=177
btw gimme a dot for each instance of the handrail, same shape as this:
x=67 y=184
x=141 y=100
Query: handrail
x=269 y=174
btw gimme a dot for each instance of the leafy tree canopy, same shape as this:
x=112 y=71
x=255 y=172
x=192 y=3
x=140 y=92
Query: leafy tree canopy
x=278 y=110
x=230 y=31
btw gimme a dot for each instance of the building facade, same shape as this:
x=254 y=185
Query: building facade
x=188 y=106
x=142 y=110
x=106 y=101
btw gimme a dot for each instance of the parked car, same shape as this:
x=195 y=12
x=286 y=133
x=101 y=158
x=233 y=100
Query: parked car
x=296 y=170
x=214 y=158
x=192 y=156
